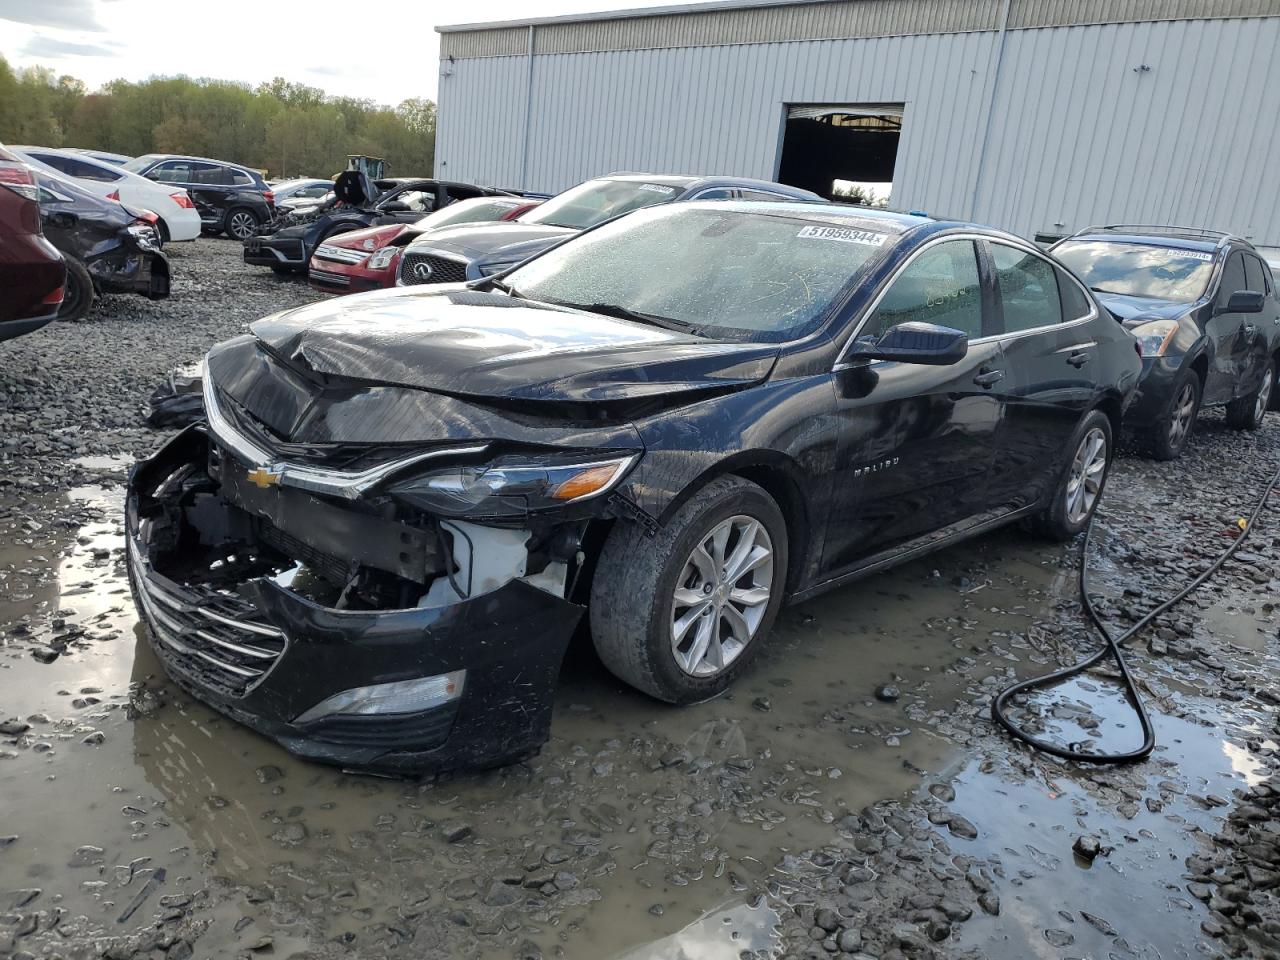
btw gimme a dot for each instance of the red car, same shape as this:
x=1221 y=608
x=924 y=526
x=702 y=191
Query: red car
x=32 y=273
x=367 y=259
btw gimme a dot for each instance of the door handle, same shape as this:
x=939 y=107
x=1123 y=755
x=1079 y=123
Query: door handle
x=989 y=379
x=1079 y=359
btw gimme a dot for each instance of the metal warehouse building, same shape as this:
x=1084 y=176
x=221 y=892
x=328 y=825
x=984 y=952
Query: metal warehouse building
x=1039 y=116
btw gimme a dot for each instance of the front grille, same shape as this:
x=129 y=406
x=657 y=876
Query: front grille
x=327 y=279
x=213 y=637
x=332 y=568
x=341 y=254
x=427 y=268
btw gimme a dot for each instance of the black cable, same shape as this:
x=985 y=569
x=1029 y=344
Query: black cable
x=1112 y=648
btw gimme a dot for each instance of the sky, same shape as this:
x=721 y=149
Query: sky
x=306 y=41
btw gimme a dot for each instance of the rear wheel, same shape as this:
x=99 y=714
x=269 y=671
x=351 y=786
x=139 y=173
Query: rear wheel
x=78 y=295
x=1249 y=411
x=680 y=614
x=241 y=223
x=1082 y=481
x=1168 y=438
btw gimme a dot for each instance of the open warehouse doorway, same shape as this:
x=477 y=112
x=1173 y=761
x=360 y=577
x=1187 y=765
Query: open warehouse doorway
x=845 y=152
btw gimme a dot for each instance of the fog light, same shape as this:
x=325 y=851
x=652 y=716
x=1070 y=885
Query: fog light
x=402 y=696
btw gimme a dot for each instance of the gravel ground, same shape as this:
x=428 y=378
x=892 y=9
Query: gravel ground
x=851 y=798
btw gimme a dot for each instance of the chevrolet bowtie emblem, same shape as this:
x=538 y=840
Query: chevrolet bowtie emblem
x=262 y=477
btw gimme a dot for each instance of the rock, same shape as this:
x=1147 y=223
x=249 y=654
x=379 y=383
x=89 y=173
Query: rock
x=990 y=903
x=97 y=738
x=1059 y=938
x=657 y=910
x=45 y=654
x=942 y=791
x=290 y=834
x=181 y=950
x=762 y=704
x=268 y=774
x=962 y=828
x=86 y=856
x=1087 y=847
x=827 y=919
x=849 y=941
x=887 y=693
x=455 y=831
x=13 y=727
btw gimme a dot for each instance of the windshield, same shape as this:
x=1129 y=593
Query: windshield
x=139 y=163
x=595 y=201
x=720 y=273
x=467 y=211
x=1138 y=269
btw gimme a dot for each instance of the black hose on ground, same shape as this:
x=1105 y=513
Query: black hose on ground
x=1112 y=648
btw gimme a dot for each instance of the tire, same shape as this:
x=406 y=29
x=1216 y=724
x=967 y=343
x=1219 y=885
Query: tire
x=78 y=295
x=1084 y=475
x=1248 y=412
x=634 y=606
x=162 y=232
x=241 y=223
x=1168 y=438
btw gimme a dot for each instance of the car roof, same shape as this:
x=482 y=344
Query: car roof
x=186 y=156
x=1151 y=240
x=844 y=214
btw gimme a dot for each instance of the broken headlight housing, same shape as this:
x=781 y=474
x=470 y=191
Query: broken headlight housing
x=1154 y=337
x=383 y=258
x=514 y=485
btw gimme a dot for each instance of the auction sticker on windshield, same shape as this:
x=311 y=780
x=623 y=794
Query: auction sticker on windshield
x=843 y=234
x=657 y=188
x=1196 y=255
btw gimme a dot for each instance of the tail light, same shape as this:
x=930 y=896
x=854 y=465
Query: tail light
x=269 y=196
x=18 y=179
x=114 y=195
x=182 y=199
x=53 y=297
x=147 y=217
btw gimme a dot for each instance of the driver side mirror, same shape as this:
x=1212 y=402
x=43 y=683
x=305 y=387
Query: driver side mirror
x=1244 y=301
x=915 y=342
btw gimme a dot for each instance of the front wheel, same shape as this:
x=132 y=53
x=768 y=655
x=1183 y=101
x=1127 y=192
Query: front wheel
x=1168 y=437
x=680 y=613
x=1082 y=481
x=78 y=295
x=1248 y=412
x=241 y=223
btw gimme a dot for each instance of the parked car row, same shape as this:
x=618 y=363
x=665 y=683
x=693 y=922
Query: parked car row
x=665 y=419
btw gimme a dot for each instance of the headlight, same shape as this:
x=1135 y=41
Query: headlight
x=1154 y=337
x=383 y=257
x=513 y=485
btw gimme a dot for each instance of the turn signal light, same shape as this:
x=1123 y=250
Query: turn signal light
x=586 y=482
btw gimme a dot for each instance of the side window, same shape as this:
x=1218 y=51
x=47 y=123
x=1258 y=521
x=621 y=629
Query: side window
x=1233 y=278
x=91 y=171
x=1075 y=304
x=61 y=164
x=1028 y=289
x=210 y=174
x=1255 y=275
x=763 y=195
x=940 y=286
x=241 y=179
x=719 y=193
x=462 y=193
x=420 y=201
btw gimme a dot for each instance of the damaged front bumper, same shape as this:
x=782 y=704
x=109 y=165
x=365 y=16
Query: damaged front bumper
x=276 y=251
x=128 y=269
x=449 y=684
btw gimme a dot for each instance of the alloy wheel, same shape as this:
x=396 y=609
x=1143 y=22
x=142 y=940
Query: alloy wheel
x=1180 y=419
x=1088 y=470
x=242 y=225
x=721 y=596
x=1264 y=396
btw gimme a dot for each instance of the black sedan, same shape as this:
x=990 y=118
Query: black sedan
x=357 y=204
x=475 y=251
x=404 y=501
x=108 y=247
x=1206 y=312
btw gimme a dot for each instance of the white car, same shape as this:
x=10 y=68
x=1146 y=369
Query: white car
x=179 y=218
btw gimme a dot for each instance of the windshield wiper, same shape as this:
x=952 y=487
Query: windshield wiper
x=625 y=313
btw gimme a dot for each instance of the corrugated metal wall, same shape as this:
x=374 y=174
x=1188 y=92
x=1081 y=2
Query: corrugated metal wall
x=1078 y=135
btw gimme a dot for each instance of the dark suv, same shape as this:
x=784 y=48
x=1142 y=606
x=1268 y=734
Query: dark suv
x=32 y=272
x=404 y=501
x=1206 y=312
x=232 y=199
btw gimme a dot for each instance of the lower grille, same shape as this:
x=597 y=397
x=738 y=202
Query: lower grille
x=213 y=637
x=416 y=731
x=327 y=279
x=427 y=268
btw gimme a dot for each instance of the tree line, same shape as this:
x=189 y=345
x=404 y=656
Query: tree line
x=288 y=129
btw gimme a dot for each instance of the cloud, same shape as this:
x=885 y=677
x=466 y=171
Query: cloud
x=66 y=14
x=49 y=47
x=328 y=71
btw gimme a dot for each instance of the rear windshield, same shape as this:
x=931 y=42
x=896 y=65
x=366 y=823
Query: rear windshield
x=140 y=163
x=717 y=273
x=1138 y=269
x=596 y=201
x=468 y=211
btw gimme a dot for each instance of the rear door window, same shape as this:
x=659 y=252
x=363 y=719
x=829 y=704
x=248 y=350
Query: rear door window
x=940 y=286
x=210 y=174
x=1255 y=275
x=241 y=179
x=1028 y=287
x=171 y=171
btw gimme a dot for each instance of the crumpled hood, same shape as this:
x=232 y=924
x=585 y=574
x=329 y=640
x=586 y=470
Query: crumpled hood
x=1132 y=311
x=475 y=241
x=379 y=237
x=471 y=344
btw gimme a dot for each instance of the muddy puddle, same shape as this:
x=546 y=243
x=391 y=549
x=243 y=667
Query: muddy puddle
x=640 y=831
